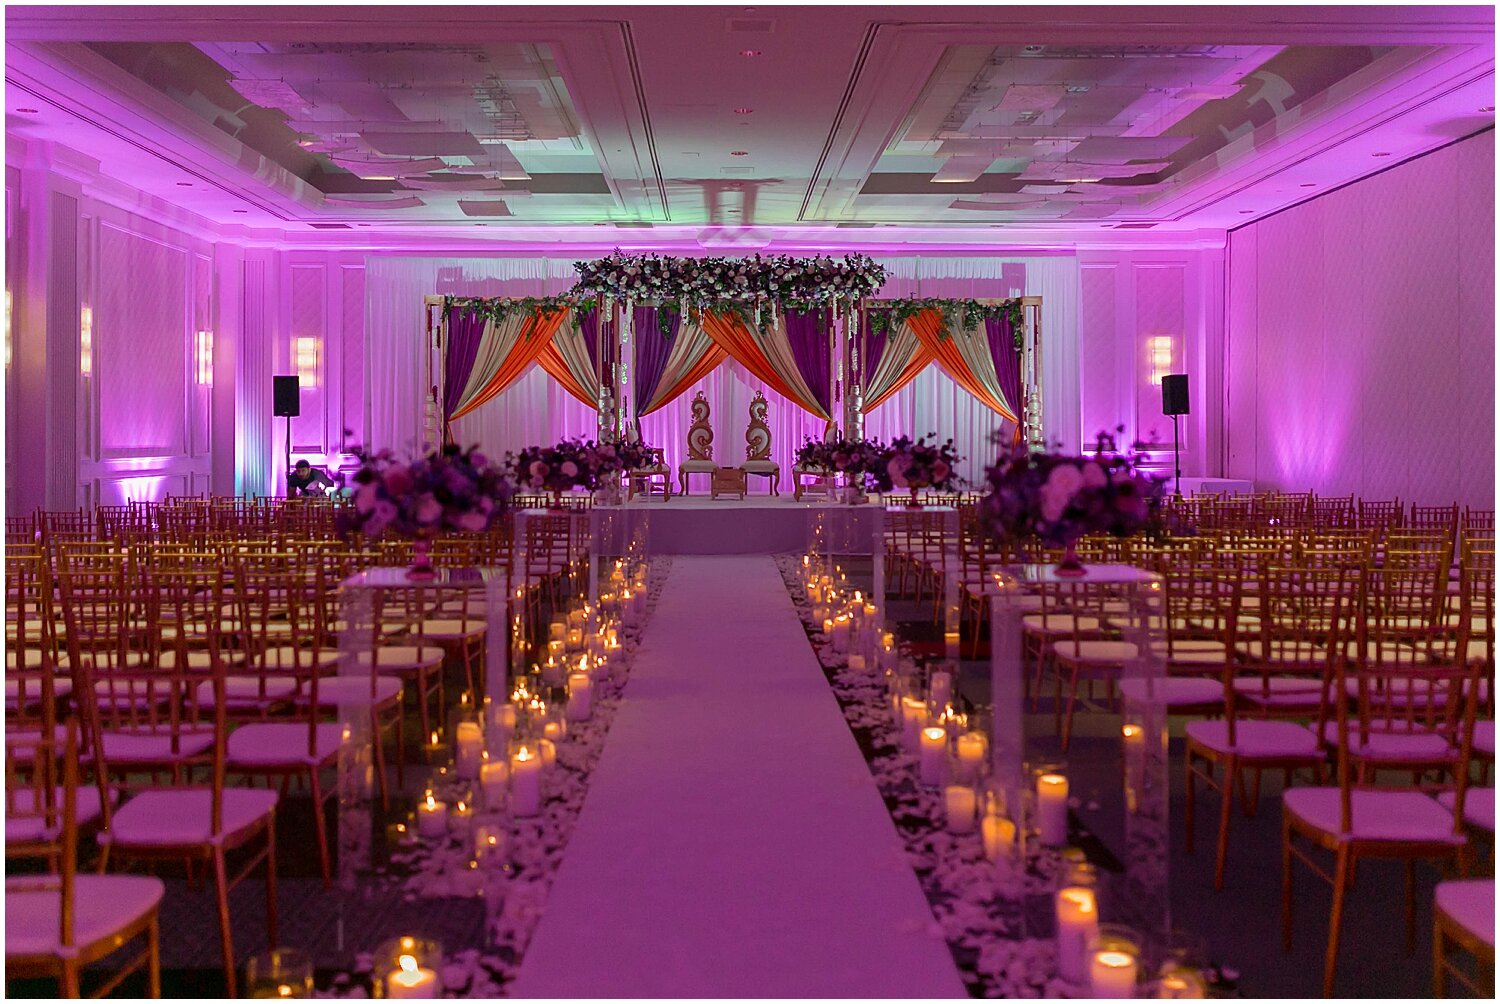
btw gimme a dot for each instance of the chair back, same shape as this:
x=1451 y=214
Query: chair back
x=41 y=795
x=758 y=433
x=700 y=437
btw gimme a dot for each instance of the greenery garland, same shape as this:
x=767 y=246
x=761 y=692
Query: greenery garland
x=889 y=315
x=498 y=308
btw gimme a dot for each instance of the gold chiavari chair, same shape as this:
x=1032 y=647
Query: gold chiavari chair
x=183 y=821
x=399 y=650
x=1379 y=517
x=1088 y=650
x=1434 y=517
x=1463 y=918
x=1194 y=642
x=1282 y=659
x=59 y=923
x=1394 y=703
x=30 y=629
x=1478 y=519
x=21 y=530
x=1330 y=513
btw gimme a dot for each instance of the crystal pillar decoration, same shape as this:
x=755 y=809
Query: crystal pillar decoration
x=625 y=395
x=1143 y=738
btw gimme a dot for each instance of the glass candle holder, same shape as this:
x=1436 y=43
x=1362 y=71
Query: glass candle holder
x=407 y=968
x=1048 y=792
x=279 y=973
x=1114 y=963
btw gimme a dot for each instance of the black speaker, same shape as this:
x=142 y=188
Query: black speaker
x=1174 y=394
x=288 y=396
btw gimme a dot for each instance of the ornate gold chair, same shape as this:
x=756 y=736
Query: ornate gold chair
x=700 y=442
x=654 y=481
x=758 y=445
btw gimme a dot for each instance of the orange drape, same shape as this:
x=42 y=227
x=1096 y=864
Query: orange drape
x=534 y=340
x=551 y=360
x=710 y=362
x=920 y=360
x=729 y=331
x=926 y=324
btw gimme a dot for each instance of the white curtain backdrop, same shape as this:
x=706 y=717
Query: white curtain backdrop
x=535 y=409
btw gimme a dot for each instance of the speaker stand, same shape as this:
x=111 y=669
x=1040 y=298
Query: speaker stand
x=289 y=455
x=1176 y=462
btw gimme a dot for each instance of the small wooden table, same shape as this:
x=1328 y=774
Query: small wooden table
x=728 y=481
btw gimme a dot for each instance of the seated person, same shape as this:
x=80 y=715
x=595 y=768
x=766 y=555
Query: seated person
x=307 y=480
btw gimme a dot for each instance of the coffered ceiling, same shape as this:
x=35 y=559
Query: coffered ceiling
x=957 y=120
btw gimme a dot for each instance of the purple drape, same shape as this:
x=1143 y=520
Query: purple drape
x=875 y=342
x=588 y=326
x=465 y=331
x=807 y=334
x=1002 y=342
x=652 y=348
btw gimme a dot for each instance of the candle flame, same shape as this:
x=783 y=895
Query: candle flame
x=1052 y=779
x=1115 y=960
x=492 y=840
x=408 y=962
x=283 y=991
x=434 y=739
x=1130 y=731
x=524 y=754
x=462 y=807
x=933 y=732
x=431 y=802
x=409 y=942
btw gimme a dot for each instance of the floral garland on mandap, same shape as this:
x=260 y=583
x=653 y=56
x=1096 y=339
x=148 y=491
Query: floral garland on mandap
x=1060 y=498
x=446 y=491
x=889 y=315
x=498 y=308
x=714 y=283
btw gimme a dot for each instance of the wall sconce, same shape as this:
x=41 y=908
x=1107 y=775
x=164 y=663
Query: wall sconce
x=1161 y=357
x=305 y=359
x=86 y=340
x=203 y=356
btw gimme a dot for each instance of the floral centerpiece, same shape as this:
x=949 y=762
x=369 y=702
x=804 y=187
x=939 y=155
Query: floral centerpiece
x=862 y=461
x=561 y=467
x=446 y=491
x=612 y=457
x=916 y=465
x=1060 y=498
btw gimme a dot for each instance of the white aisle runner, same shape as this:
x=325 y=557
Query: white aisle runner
x=733 y=843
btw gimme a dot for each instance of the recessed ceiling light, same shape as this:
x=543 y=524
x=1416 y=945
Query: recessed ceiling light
x=32 y=111
x=379 y=177
x=361 y=224
x=739 y=153
x=242 y=210
x=743 y=111
x=1079 y=88
x=184 y=184
x=1383 y=153
x=1246 y=212
x=749 y=53
x=1486 y=109
x=1309 y=184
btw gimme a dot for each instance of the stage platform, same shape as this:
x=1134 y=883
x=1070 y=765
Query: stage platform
x=756 y=524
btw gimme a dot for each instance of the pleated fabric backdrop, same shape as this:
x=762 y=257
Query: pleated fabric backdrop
x=536 y=409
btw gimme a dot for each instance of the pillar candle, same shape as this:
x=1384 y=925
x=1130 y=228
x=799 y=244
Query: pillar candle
x=628 y=609
x=913 y=717
x=432 y=819
x=934 y=756
x=460 y=819
x=856 y=663
x=1112 y=974
x=412 y=981
x=1052 y=809
x=552 y=671
x=999 y=836
x=576 y=617
x=575 y=639
x=1077 y=926
x=959 y=803
x=970 y=747
x=489 y=841
x=557 y=649
x=940 y=687
x=494 y=776
x=580 y=696
x=526 y=782
x=547 y=750
x=469 y=745
x=557 y=631
x=500 y=725
x=841 y=629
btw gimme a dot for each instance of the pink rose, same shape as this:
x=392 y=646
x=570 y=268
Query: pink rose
x=397 y=481
x=429 y=510
x=538 y=470
x=1094 y=476
x=940 y=472
x=896 y=468
x=364 y=499
x=569 y=469
x=1062 y=484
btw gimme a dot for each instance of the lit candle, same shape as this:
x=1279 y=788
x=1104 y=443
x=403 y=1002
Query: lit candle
x=552 y=730
x=547 y=751
x=1052 y=809
x=552 y=671
x=940 y=687
x=828 y=628
x=934 y=754
x=970 y=756
x=434 y=748
x=432 y=819
x=460 y=819
x=557 y=631
x=526 y=782
x=1181 y=983
x=999 y=836
x=575 y=638
x=841 y=628
x=489 y=841
x=493 y=778
x=856 y=663
x=913 y=717
x=412 y=981
x=577 y=617
x=1112 y=974
x=500 y=725
x=960 y=802
x=629 y=609
x=469 y=744
x=1077 y=926
x=1133 y=737
x=580 y=695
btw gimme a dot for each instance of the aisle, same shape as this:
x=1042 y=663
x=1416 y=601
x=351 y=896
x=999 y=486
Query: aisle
x=733 y=843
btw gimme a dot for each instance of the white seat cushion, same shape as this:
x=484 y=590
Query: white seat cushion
x=453 y=630
x=271 y=744
x=183 y=817
x=102 y=905
x=32 y=827
x=760 y=466
x=240 y=691
x=1471 y=904
x=1279 y=691
x=155 y=747
x=32 y=659
x=289 y=658
x=1395 y=816
x=402 y=658
x=697 y=466
x=62 y=686
x=1173 y=691
x=1393 y=746
x=355 y=690
x=1256 y=739
x=1479 y=806
x=1112 y=652
x=1484 y=737
x=1056 y=623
